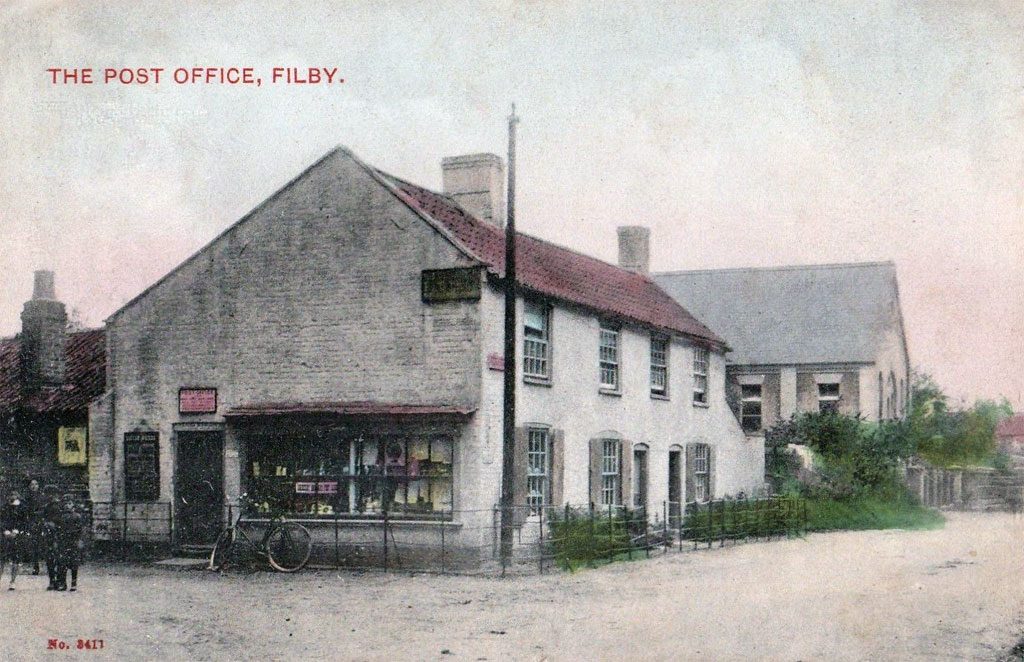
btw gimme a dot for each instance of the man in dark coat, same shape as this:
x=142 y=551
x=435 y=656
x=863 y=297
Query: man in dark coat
x=34 y=502
x=70 y=544
x=50 y=519
x=14 y=521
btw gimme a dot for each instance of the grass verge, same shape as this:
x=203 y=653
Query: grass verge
x=870 y=512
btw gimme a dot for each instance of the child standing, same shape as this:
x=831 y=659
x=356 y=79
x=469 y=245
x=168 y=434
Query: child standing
x=70 y=545
x=14 y=526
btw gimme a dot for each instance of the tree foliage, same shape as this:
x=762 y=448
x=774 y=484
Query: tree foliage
x=944 y=436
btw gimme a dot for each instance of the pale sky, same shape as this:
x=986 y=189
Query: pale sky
x=741 y=133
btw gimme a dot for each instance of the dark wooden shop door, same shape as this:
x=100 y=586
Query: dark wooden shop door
x=199 y=487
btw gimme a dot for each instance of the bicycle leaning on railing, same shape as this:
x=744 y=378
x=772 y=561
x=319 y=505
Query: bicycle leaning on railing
x=285 y=545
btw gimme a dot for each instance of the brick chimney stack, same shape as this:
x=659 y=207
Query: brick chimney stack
x=635 y=248
x=477 y=183
x=43 y=325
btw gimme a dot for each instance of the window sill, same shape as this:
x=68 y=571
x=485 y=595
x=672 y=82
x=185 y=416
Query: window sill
x=610 y=391
x=537 y=381
x=701 y=405
x=660 y=396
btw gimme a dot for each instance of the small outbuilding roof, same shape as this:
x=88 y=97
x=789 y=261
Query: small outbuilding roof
x=84 y=376
x=830 y=313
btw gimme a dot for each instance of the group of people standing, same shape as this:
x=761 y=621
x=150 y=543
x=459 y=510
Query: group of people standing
x=42 y=523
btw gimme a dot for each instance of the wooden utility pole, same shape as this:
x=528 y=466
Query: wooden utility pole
x=509 y=409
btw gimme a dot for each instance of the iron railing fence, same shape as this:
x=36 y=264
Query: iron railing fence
x=468 y=541
x=565 y=537
x=130 y=529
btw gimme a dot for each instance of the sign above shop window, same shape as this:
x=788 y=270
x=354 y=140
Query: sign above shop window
x=461 y=284
x=197 y=401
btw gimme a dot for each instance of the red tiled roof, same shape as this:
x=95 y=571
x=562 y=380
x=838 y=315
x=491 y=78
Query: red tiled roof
x=85 y=376
x=1011 y=427
x=356 y=408
x=555 y=271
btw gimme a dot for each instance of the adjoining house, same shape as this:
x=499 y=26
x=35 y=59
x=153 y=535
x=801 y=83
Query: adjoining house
x=805 y=338
x=48 y=377
x=338 y=352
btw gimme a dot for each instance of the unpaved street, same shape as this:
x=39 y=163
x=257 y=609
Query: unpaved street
x=956 y=593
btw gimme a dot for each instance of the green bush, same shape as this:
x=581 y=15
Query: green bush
x=947 y=438
x=852 y=457
x=586 y=537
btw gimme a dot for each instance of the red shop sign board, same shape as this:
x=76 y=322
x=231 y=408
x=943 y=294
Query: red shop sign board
x=197 y=401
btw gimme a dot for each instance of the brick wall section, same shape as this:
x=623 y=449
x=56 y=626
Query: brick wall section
x=315 y=296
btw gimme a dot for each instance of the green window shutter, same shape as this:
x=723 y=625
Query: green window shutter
x=691 y=490
x=626 y=475
x=557 y=467
x=519 y=475
x=712 y=470
x=595 y=471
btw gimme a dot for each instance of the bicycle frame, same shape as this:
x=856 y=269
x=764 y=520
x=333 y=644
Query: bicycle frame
x=236 y=535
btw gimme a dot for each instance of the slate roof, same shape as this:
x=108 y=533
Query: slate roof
x=353 y=408
x=558 y=272
x=831 y=313
x=85 y=376
x=1011 y=427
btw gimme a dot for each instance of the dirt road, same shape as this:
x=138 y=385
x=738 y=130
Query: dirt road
x=957 y=593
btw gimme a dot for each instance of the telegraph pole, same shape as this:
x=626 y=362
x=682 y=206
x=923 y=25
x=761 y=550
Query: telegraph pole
x=509 y=409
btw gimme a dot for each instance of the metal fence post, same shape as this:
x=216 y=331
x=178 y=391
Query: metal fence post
x=443 y=525
x=721 y=541
x=124 y=532
x=611 y=534
x=170 y=525
x=664 y=528
x=337 y=552
x=385 y=540
x=540 y=546
x=592 y=535
x=711 y=522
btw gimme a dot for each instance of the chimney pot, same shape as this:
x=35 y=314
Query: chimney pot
x=635 y=248
x=43 y=285
x=43 y=327
x=477 y=183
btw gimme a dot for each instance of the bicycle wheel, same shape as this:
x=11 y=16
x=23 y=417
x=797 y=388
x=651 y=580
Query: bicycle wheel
x=289 y=546
x=222 y=549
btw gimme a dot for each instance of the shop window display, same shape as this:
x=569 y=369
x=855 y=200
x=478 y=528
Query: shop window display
x=318 y=474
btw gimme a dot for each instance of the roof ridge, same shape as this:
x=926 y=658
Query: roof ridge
x=784 y=267
x=518 y=231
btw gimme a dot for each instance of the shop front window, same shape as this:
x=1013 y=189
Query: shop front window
x=321 y=474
